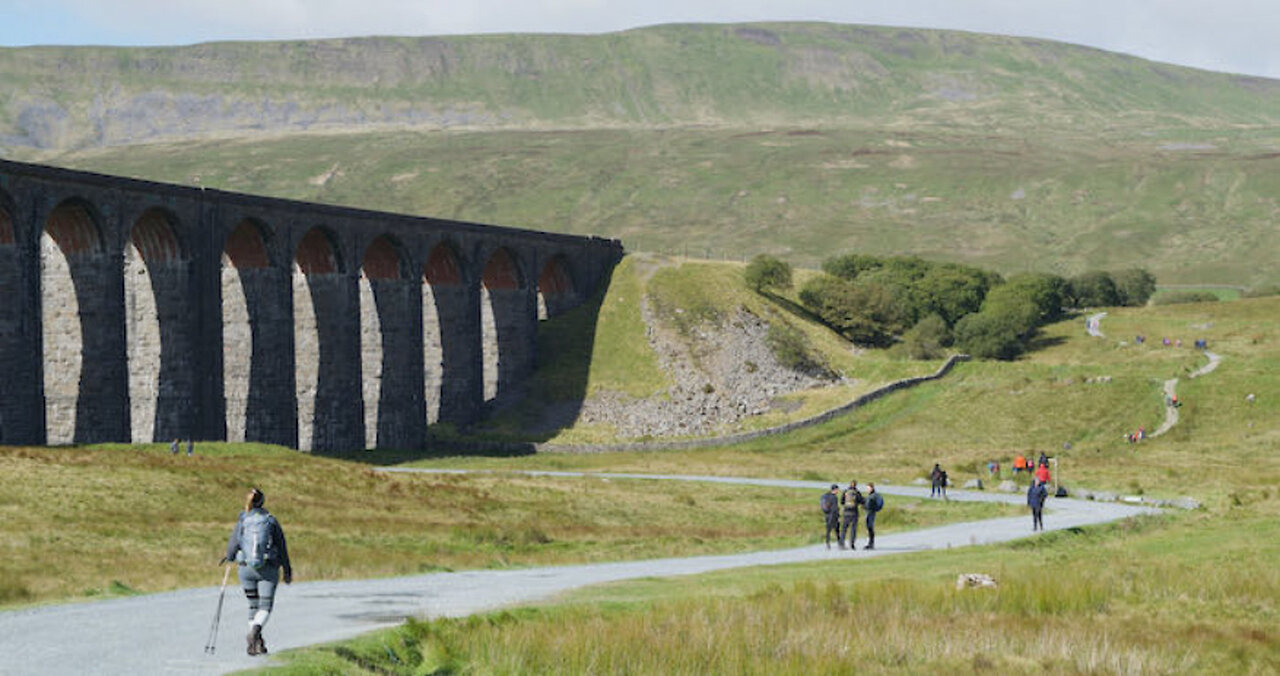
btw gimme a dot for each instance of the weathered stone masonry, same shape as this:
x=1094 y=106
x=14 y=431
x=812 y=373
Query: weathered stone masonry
x=140 y=311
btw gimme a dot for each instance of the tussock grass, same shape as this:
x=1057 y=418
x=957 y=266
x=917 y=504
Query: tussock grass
x=1151 y=596
x=93 y=522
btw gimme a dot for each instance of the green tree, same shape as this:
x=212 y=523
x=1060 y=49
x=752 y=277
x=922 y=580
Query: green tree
x=990 y=335
x=950 y=291
x=1134 y=286
x=928 y=339
x=1037 y=297
x=865 y=312
x=766 y=272
x=849 y=266
x=1093 y=289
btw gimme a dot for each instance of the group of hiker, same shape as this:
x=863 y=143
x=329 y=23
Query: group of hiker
x=841 y=508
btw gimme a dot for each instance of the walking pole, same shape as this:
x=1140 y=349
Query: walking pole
x=212 y=644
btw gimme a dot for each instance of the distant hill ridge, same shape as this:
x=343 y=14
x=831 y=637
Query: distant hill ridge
x=59 y=98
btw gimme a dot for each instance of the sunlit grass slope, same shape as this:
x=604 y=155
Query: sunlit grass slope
x=689 y=302
x=81 y=523
x=1074 y=389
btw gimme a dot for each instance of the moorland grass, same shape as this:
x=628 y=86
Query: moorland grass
x=1172 y=594
x=1061 y=201
x=1073 y=389
x=91 y=522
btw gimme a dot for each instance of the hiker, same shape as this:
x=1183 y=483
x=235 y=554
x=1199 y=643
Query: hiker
x=257 y=545
x=942 y=483
x=830 y=504
x=1043 y=461
x=851 y=499
x=1042 y=473
x=191 y=447
x=173 y=448
x=875 y=503
x=1020 y=464
x=1036 y=495
x=935 y=477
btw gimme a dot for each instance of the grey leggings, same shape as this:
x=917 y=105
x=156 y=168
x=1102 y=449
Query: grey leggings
x=259 y=586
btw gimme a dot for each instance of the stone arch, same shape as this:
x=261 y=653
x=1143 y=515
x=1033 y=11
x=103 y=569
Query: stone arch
x=326 y=346
x=85 y=382
x=158 y=329
x=390 y=352
x=556 y=290
x=449 y=357
x=503 y=315
x=257 y=339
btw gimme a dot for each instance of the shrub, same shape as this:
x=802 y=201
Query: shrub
x=926 y=340
x=865 y=311
x=790 y=347
x=1093 y=289
x=991 y=335
x=1134 y=286
x=767 y=272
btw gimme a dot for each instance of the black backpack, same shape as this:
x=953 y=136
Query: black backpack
x=827 y=502
x=875 y=503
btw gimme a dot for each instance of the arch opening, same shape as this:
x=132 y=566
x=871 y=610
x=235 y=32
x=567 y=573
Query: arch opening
x=256 y=354
x=555 y=288
x=500 y=289
x=390 y=327
x=441 y=291
x=153 y=286
x=326 y=347
x=73 y=327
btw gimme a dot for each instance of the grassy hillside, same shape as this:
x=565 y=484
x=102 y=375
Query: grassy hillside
x=61 y=97
x=1009 y=200
x=716 y=141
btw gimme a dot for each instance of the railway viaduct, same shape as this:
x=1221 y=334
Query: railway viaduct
x=134 y=311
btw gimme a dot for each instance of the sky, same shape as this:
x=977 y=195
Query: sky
x=1236 y=36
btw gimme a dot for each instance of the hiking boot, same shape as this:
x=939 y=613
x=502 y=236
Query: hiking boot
x=256 y=646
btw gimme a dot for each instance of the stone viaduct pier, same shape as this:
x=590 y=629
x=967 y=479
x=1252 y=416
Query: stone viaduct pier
x=133 y=311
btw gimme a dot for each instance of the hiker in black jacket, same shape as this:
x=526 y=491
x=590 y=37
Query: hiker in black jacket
x=830 y=504
x=257 y=545
x=874 y=504
x=1036 y=495
x=851 y=499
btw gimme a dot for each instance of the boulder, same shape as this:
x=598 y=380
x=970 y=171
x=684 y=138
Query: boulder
x=1007 y=486
x=1185 y=503
x=973 y=483
x=1103 y=496
x=974 y=581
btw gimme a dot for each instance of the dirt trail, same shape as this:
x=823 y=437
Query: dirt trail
x=1093 y=325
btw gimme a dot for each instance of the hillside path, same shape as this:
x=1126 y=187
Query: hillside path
x=1093 y=325
x=165 y=633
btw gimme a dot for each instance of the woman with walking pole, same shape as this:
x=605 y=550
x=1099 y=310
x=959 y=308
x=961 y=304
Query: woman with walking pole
x=257 y=545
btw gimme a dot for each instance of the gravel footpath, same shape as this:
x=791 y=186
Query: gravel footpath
x=165 y=633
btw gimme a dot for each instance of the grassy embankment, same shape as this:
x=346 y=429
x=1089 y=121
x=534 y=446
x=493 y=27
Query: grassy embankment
x=80 y=523
x=1186 y=592
x=690 y=302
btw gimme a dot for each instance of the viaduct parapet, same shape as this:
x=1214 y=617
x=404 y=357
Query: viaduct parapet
x=133 y=311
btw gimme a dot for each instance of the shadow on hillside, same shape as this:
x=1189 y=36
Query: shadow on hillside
x=1042 y=342
x=793 y=307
